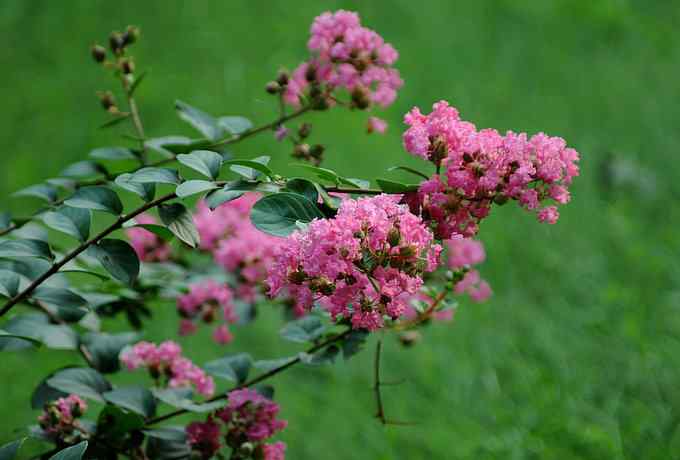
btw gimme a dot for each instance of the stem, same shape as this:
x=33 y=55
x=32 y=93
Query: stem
x=136 y=119
x=424 y=315
x=259 y=378
x=356 y=191
x=380 y=414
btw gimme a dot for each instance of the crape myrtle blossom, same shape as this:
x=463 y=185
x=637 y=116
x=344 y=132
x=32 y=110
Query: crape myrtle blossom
x=58 y=419
x=482 y=167
x=148 y=246
x=349 y=56
x=362 y=265
x=166 y=362
x=207 y=301
x=248 y=419
x=462 y=254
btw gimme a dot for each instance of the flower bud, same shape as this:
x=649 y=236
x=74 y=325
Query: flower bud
x=131 y=35
x=310 y=74
x=305 y=130
x=316 y=151
x=107 y=100
x=407 y=251
x=116 y=43
x=209 y=315
x=98 y=53
x=282 y=78
x=360 y=98
x=409 y=338
x=301 y=151
x=500 y=199
x=127 y=66
x=394 y=237
x=272 y=87
x=297 y=277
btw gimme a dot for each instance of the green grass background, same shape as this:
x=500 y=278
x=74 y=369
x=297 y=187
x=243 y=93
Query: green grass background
x=577 y=354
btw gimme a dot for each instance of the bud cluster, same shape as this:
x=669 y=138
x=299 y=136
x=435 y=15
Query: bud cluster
x=59 y=419
x=207 y=301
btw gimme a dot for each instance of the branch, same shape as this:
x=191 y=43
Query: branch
x=259 y=378
x=380 y=414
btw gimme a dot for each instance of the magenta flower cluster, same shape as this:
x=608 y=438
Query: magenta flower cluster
x=248 y=419
x=363 y=265
x=482 y=167
x=207 y=301
x=148 y=246
x=166 y=365
x=59 y=418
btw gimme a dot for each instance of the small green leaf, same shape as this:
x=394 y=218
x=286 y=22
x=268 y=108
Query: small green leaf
x=83 y=381
x=203 y=161
x=410 y=170
x=138 y=80
x=83 y=169
x=118 y=258
x=133 y=398
x=353 y=343
x=305 y=329
x=156 y=175
x=192 y=187
x=321 y=173
x=72 y=221
x=235 y=125
x=168 y=433
x=389 y=186
x=278 y=214
x=181 y=399
x=234 y=368
x=9 y=451
x=115 y=120
x=71 y=453
x=145 y=191
x=5 y=220
x=267 y=365
x=158 y=230
x=25 y=248
x=112 y=153
x=9 y=283
x=44 y=393
x=251 y=169
x=105 y=348
x=321 y=357
x=10 y=335
x=36 y=326
x=302 y=187
x=180 y=223
x=71 y=306
x=204 y=123
x=98 y=198
x=43 y=191
x=219 y=197
x=86 y=272
x=359 y=183
x=115 y=423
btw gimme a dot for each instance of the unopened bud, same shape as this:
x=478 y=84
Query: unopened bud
x=116 y=42
x=316 y=151
x=272 y=87
x=310 y=74
x=409 y=338
x=98 y=53
x=301 y=151
x=500 y=199
x=297 y=277
x=107 y=100
x=127 y=66
x=394 y=237
x=209 y=315
x=282 y=78
x=131 y=35
x=360 y=98
x=407 y=251
x=305 y=130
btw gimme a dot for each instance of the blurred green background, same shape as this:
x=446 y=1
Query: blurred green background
x=577 y=356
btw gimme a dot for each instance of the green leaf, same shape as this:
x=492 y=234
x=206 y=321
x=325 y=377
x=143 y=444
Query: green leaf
x=302 y=187
x=321 y=357
x=277 y=214
x=5 y=220
x=145 y=191
x=118 y=258
x=267 y=365
x=204 y=123
x=165 y=449
x=113 y=153
x=44 y=393
x=71 y=453
x=98 y=198
x=32 y=340
x=321 y=173
x=83 y=381
x=179 y=221
x=115 y=120
x=37 y=327
x=115 y=423
x=265 y=390
x=251 y=169
x=181 y=399
x=359 y=183
x=234 y=368
x=156 y=175
x=219 y=197
x=42 y=191
x=66 y=184
x=9 y=451
x=168 y=433
x=25 y=248
x=410 y=170
x=71 y=306
x=105 y=349
x=389 y=186
x=158 y=230
x=83 y=169
x=305 y=329
x=203 y=161
x=133 y=398
x=72 y=221
x=9 y=283
x=353 y=343
x=138 y=80
x=86 y=272
x=192 y=187
x=235 y=125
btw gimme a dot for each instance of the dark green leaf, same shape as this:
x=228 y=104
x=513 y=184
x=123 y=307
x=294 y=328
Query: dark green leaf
x=30 y=268
x=44 y=393
x=42 y=191
x=165 y=449
x=83 y=381
x=9 y=283
x=133 y=398
x=324 y=356
x=265 y=390
x=359 y=183
x=302 y=187
x=71 y=306
x=112 y=153
x=179 y=222
x=98 y=198
x=321 y=173
x=156 y=175
x=353 y=343
x=161 y=144
x=192 y=187
x=115 y=423
x=115 y=120
x=71 y=453
x=5 y=220
x=9 y=451
x=267 y=365
x=66 y=184
x=408 y=169
x=204 y=123
x=278 y=214
x=118 y=258
x=32 y=340
x=234 y=368
x=181 y=399
x=36 y=326
x=168 y=433
x=86 y=272
x=72 y=221
x=105 y=349
x=25 y=248
x=235 y=125
x=203 y=161
x=389 y=186
x=138 y=80
x=83 y=169
x=251 y=169
x=145 y=191
x=219 y=197
x=305 y=329
x=158 y=230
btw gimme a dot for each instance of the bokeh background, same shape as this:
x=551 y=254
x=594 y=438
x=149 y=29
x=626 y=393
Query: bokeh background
x=577 y=356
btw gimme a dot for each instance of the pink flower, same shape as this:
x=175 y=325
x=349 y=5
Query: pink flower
x=250 y=414
x=204 y=437
x=148 y=246
x=548 y=214
x=377 y=125
x=275 y=451
x=207 y=301
x=465 y=252
x=281 y=133
x=364 y=264
x=58 y=419
x=222 y=335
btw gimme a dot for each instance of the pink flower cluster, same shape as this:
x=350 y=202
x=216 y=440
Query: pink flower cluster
x=236 y=244
x=362 y=265
x=349 y=56
x=247 y=418
x=166 y=361
x=483 y=167
x=148 y=246
x=58 y=418
x=206 y=301
x=464 y=253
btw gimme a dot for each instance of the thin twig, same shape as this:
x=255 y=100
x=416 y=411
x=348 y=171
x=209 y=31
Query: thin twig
x=424 y=316
x=136 y=119
x=380 y=414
